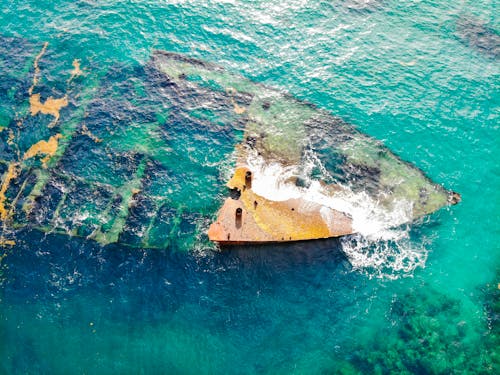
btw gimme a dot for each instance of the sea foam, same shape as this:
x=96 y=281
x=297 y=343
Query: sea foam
x=381 y=245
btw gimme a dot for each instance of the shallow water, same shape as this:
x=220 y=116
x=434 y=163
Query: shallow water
x=424 y=298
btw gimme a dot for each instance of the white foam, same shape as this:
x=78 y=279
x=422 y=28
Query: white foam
x=277 y=182
x=378 y=248
x=391 y=256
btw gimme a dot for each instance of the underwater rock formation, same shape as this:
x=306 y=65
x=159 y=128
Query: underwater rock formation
x=478 y=35
x=432 y=337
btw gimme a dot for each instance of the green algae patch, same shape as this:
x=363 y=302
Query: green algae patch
x=433 y=333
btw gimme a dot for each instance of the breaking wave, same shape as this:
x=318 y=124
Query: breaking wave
x=381 y=245
x=390 y=254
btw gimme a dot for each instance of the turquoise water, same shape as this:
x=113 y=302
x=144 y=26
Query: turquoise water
x=422 y=77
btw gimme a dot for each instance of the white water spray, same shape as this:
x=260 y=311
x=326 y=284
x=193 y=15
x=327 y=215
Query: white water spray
x=381 y=246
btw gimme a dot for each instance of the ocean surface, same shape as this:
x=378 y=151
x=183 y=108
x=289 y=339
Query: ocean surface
x=423 y=77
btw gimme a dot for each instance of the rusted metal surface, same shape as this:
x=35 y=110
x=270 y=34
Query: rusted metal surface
x=251 y=218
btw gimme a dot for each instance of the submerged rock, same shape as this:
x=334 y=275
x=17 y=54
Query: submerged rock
x=431 y=333
x=478 y=35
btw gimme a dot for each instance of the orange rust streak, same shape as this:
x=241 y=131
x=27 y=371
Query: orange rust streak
x=76 y=70
x=47 y=148
x=12 y=173
x=4 y=242
x=37 y=68
x=50 y=107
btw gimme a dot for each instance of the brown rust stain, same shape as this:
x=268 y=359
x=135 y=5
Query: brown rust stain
x=47 y=148
x=50 y=107
x=11 y=173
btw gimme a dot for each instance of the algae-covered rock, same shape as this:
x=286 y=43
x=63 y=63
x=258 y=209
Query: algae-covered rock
x=429 y=335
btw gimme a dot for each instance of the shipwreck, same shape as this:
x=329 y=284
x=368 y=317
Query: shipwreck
x=139 y=155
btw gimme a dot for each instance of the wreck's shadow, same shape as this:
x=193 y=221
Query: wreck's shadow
x=291 y=254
